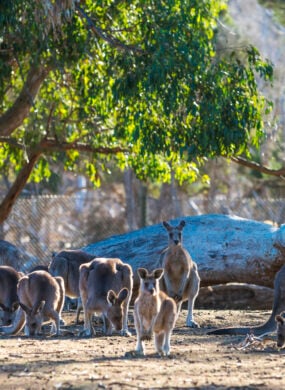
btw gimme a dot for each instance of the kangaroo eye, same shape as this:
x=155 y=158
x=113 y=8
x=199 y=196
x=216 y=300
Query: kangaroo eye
x=171 y=235
x=146 y=284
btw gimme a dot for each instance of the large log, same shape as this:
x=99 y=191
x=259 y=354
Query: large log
x=225 y=248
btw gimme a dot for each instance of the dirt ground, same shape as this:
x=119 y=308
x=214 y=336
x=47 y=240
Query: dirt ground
x=197 y=361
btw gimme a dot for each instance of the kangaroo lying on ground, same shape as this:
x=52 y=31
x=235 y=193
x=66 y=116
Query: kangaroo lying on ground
x=181 y=280
x=106 y=286
x=41 y=296
x=154 y=312
x=66 y=264
x=9 y=301
x=270 y=324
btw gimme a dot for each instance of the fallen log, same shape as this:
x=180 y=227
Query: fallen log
x=226 y=248
x=235 y=296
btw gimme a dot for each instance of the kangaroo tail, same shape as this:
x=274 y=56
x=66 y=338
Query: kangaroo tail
x=268 y=326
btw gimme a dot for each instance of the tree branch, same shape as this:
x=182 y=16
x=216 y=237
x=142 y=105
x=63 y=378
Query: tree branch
x=257 y=167
x=106 y=37
x=15 y=115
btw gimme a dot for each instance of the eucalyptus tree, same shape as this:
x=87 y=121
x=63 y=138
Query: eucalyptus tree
x=136 y=84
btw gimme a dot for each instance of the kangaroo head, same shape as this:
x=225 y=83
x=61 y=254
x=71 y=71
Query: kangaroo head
x=174 y=233
x=8 y=313
x=280 y=319
x=58 y=267
x=34 y=317
x=114 y=311
x=149 y=281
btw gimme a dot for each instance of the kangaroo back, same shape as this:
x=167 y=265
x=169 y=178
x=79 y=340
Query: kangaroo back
x=105 y=286
x=41 y=296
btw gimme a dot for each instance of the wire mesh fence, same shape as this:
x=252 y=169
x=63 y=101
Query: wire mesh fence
x=42 y=225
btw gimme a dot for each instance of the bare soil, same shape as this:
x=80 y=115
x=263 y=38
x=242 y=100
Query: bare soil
x=197 y=361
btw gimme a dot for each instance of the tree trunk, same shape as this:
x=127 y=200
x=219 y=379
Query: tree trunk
x=15 y=115
x=225 y=248
x=20 y=182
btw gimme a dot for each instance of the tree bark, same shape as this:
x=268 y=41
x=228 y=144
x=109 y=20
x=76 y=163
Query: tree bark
x=18 y=185
x=226 y=248
x=15 y=115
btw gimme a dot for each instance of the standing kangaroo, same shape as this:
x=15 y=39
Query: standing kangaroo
x=277 y=308
x=66 y=264
x=154 y=312
x=180 y=280
x=41 y=297
x=106 y=286
x=9 y=301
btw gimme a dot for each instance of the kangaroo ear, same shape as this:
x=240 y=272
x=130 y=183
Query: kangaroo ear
x=38 y=307
x=279 y=319
x=15 y=306
x=3 y=307
x=25 y=308
x=123 y=294
x=158 y=273
x=142 y=272
x=181 y=225
x=111 y=297
x=166 y=225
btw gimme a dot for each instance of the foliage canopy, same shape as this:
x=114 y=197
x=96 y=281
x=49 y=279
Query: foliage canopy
x=138 y=82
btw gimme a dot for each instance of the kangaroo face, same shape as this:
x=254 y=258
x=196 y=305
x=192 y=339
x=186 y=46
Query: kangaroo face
x=174 y=233
x=8 y=313
x=34 y=317
x=115 y=311
x=280 y=319
x=149 y=282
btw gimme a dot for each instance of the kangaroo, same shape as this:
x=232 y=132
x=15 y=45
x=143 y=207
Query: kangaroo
x=9 y=301
x=66 y=264
x=270 y=324
x=41 y=296
x=180 y=280
x=280 y=320
x=106 y=286
x=154 y=312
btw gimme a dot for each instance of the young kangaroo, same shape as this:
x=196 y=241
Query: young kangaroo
x=106 y=286
x=9 y=301
x=66 y=264
x=181 y=280
x=154 y=312
x=280 y=319
x=41 y=297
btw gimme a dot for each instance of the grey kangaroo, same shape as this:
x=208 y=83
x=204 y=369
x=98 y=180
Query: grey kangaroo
x=66 y=264
x=181 y=280
x=41 y=296
x=154 y=313
x=106 y=286
x=277 y=308
x=9 y=301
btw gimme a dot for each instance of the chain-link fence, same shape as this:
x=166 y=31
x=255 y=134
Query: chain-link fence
x=42 y=225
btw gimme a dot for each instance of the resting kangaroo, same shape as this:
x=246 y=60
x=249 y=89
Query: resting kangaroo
x=9 y=301
x=66 y=264
x=106 y=286
x=270 y=324
x=181 y=280
x=154 y=312
x=41 y=296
